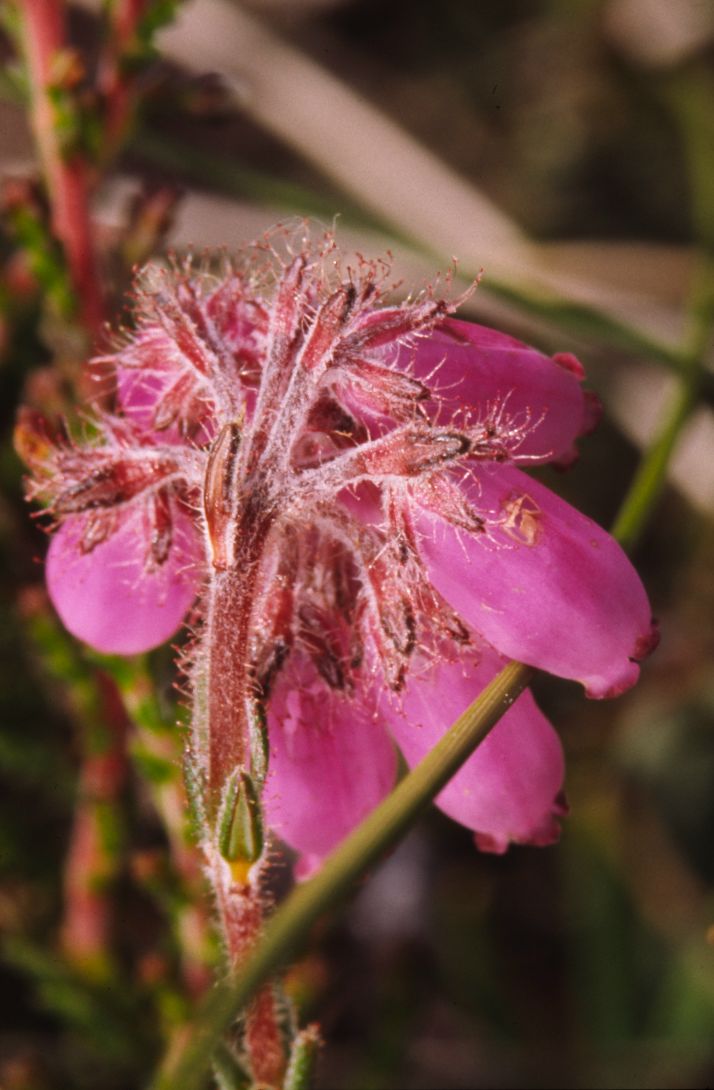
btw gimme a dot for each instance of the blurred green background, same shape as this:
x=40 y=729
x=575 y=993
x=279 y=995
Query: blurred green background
x=583 y=132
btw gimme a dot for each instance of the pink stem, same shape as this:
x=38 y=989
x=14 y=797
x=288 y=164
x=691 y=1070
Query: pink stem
x=67 y=176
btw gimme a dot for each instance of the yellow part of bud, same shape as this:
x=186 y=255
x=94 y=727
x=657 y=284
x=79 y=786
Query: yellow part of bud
x=240 y=869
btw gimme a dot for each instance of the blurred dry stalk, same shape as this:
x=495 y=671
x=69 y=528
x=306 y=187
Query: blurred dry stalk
x=408 y=187
x=374 y=159
x=659 y=32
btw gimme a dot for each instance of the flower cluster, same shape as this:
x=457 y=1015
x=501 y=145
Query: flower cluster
x=335 y=480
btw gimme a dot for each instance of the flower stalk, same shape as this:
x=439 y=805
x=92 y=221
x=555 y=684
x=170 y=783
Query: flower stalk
x=228 y=736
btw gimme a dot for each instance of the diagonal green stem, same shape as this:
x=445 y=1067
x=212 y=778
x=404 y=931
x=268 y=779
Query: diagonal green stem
x=292 y=922
x=689 y=100
x=651 y=474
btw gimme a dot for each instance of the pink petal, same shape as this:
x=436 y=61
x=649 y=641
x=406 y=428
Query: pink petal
x=471 y=366
x=145 y=369
x=510 y=789
x=331 y=762
x=111 y=597
x=147 y=372
x=549 y=587
x=138 y=394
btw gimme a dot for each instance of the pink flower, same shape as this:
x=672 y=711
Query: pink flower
x=354 y=465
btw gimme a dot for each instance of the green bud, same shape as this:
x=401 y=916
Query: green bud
x=303 y=1058
x=240 y=826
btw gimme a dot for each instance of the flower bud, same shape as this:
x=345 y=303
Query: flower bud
x=240 y=826
x=303 y=1058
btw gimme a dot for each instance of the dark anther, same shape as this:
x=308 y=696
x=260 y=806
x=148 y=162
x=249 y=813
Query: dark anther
x=443 y=447
x=270 y=670
x=463 y=441
x=350 y=299
x=410 y=624
x=331 y=670
x=403 y=633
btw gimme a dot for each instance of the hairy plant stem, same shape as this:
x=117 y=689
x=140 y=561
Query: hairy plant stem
x=240 y=911
x=225 y=741
x=230 y=685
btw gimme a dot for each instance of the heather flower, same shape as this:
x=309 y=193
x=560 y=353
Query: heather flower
x=334 y=481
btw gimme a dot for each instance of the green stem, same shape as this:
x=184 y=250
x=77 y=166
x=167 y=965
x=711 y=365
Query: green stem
x=642 y=496
x=689 y=100
x=228 y=1073
x=292 y=922
x=651 y=474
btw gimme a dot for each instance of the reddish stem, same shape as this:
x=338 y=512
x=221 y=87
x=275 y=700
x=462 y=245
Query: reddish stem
x=240 y=909
x=230 y=683
x=91 y=859
x=229 y=632
x=116 y=87
x=263 y=1039
x=67 y=176
x=225 y=740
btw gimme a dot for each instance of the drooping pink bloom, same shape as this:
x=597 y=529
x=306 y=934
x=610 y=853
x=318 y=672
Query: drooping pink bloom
x=336 y=478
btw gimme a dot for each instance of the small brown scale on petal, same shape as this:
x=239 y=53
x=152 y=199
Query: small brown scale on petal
x=522 y=519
